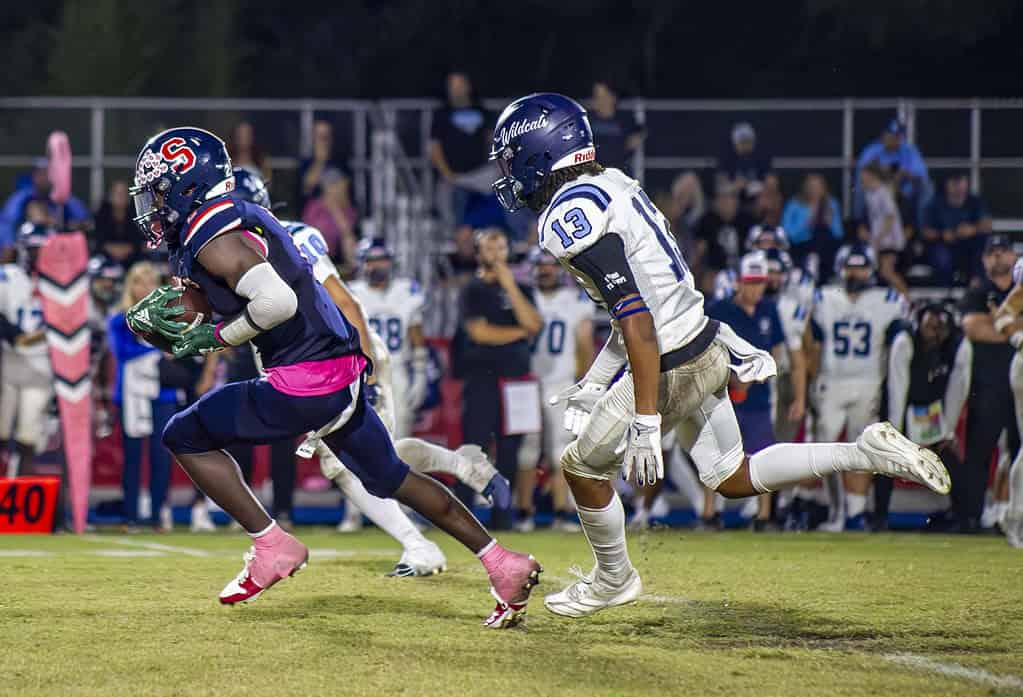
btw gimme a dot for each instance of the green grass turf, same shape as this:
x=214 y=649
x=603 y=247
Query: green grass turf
x=724 y=614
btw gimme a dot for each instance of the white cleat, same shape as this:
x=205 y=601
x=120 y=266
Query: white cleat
x=350 y=523
x=422 y=560
x=565 y=525
x=640 y=521
x=201 y=519
x=1013 y=528
x=894 y=455
x=591 y=594
x=525 y=525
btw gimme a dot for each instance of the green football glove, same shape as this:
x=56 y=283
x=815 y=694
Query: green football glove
x=199 y=341
x=150 y=315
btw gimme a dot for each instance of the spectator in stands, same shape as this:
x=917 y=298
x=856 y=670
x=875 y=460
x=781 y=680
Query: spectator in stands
x=333 y=214
x=743 y=166
x=813 y=222
x=146 y=401
x=905 y=165
x=770 y=204
x=115 y=234
x=245 y=152
x=71 y=215
x=324 y=157
x=882 y=226
x=616 y=133
x=687 y=205
x=956 y=225
x=459 y=147
x=720 y=235
x=499 y=317
x=991 y=408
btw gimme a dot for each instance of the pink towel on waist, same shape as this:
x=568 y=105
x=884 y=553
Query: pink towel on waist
x=314 y=378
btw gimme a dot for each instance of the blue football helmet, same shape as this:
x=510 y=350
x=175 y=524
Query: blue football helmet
x=249 y=186
x=534 y=136
x=854 y=255
x=372 y=249
x=778 y=260
x=176 y=172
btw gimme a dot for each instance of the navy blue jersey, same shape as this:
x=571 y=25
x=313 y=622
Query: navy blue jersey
x=316 y=332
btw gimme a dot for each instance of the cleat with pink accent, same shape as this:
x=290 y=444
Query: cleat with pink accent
x=265 y=566
x=510 y=585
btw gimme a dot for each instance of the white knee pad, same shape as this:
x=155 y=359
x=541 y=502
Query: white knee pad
x=711 y=436
x=571 y=463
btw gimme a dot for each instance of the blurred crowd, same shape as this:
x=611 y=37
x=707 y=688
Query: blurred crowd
x=917 y=233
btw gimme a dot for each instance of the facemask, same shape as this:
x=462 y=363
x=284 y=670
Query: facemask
x=854 y=285
x=379 y=277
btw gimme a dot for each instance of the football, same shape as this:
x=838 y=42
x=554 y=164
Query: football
x=197 y=311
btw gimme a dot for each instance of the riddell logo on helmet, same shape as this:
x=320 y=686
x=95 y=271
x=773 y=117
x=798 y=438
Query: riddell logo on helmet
x=587 y=155
x=518 y=128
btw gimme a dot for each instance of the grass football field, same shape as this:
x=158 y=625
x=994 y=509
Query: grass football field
x=723 y=614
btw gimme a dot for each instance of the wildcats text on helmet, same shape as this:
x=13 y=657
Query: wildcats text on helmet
x=518 y=128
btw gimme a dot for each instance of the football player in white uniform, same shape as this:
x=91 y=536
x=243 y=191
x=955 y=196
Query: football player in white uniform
x=420 y=556
x=856 y=322
x=602 y=227
x=562 y=351
x=394 y=310
x=26 y=376
x=1006 y=321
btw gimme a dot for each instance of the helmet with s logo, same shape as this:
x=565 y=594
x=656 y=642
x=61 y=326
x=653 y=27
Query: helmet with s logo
x=176 y=172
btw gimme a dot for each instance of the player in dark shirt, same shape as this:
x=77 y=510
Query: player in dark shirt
x=242 y=258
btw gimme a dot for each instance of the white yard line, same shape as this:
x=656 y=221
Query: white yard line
x=24 y=553
x=128 y=553
x=954 y=670
x=155 y=546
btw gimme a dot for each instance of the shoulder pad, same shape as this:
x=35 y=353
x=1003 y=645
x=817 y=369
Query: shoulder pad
x=1017 y=271
x=574 y=220
x=293 y=226
x=209 y=221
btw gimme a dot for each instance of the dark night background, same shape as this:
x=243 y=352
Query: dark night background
x=659 y=48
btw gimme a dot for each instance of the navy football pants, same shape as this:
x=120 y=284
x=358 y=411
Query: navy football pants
x=254 y=412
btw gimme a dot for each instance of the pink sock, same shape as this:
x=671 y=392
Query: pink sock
x=269 y=536
x=492 y=556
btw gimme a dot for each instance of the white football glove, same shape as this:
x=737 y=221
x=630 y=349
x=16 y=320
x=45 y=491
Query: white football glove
x=643 y=450
x=579 y=401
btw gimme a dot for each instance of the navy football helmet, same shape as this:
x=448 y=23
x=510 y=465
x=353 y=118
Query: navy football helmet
x=372 y=249
x=855 y=255
x=534 y=136
x=176 y=172
x=249 y=186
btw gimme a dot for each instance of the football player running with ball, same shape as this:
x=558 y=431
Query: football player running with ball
x=603 y=228
x=245 y=263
